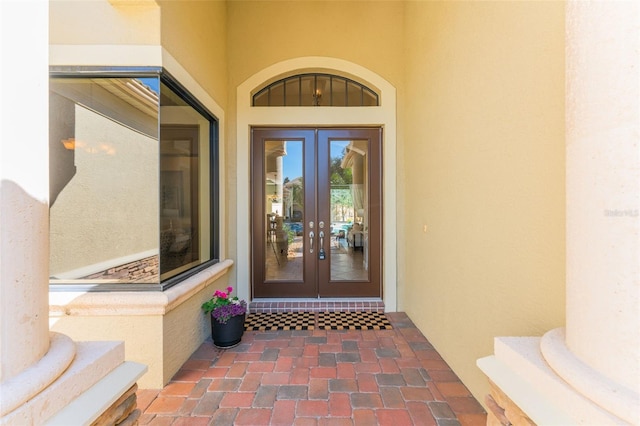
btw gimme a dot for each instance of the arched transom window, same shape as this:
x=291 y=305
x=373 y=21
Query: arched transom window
x=315 y=90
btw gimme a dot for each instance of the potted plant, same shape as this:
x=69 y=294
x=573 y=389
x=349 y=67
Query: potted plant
x=227 y=318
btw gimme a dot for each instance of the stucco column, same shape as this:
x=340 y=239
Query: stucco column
x=277 y=153
x=603 y=187
x=26 y=345
x=589 y=371
x=24 y=168
x=279 y=182
x=603 y=202
x=41 y=373
x=24 y=190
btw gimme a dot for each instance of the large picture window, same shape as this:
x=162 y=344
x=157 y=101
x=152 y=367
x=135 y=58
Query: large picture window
x=133 y=181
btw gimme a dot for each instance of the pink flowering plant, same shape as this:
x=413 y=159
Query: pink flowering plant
x=223 y=306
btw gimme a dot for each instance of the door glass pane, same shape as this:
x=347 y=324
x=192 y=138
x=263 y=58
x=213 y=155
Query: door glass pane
x=349 y=177
x=284 y=207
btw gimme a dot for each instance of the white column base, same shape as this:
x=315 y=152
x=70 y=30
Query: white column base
x=30 y=382
x=93 y=362
x=519 y=369
x=612 y=396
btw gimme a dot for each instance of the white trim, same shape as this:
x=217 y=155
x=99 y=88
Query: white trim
x=383 y=116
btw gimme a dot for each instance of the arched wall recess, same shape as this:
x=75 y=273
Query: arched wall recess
x=383 y=115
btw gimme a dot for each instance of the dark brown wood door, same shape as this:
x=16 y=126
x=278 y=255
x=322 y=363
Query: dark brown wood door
x=316 y=212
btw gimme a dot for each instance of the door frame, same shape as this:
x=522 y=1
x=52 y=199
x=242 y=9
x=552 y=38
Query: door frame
x=381 y=116
x=316 y=279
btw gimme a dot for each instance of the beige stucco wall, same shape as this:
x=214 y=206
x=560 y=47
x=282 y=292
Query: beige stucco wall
x=120 y=23
x=142 y=336
x=194 y=32
x=261 y=34
x=480 y=139
x=74 y=27
x=483 y=166
x=108 y=209
x=160 y=329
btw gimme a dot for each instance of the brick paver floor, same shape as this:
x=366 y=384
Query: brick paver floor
x=316 y=377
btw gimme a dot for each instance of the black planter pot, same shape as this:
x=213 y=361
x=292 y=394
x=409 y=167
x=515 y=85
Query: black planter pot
x=229 y=334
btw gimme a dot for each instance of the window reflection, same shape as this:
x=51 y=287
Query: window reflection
x=284 y=207
x=348 y=174
x=103 y=203
x=130 y=181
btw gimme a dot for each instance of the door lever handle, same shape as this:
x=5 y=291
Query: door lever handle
x=321 y=235
x=311 y=235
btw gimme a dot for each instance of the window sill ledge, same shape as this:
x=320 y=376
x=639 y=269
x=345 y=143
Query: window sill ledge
x=116 y=303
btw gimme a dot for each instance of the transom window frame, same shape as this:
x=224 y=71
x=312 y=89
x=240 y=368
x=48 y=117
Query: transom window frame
x=185 y=95
x=313 y=89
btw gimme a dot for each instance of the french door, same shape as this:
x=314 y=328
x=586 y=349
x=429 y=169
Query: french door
x=316 y=212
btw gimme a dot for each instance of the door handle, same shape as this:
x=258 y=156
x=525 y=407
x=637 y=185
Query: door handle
x=311 y=235
x=321 y=254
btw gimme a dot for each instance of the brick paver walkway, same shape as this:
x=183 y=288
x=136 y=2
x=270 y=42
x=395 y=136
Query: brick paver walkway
x=317 y=377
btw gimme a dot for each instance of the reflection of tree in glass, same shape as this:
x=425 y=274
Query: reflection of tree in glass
x=342 y=204
x=341 y=179
x=339 y=176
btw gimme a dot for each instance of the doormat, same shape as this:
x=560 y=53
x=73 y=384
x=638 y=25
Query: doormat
x=353 y=321
x=325 y=321
x=280 y=321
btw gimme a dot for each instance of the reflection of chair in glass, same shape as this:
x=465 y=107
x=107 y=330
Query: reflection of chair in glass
x=271 y=227
x=281 y=236
x=278 y=237
x=335 y=241
x=355 y=236
x=174 y=245
x=338 y=232
x=271 y=234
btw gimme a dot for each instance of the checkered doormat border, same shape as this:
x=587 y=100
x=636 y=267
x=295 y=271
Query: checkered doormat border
x=323 y=321
x=280 y=321
x=353 y=321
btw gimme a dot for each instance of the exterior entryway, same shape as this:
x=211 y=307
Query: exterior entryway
x=316 y=212
x=353 y=377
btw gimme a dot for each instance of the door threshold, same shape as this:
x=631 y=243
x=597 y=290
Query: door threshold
x=355 y=304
